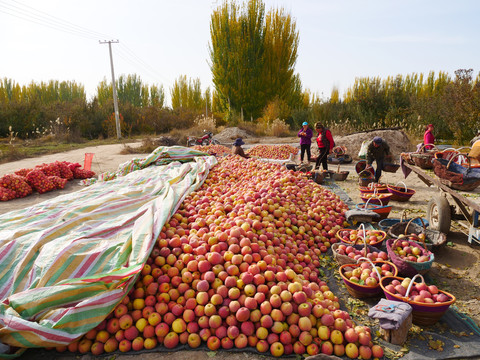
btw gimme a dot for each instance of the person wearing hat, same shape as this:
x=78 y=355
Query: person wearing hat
x=325 y=145
x=237 y=148
x=428 y=137
x=377 y=150
x=305 y=134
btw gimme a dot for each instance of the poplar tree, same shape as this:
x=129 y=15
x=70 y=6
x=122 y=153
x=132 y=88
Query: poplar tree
x=252 y=58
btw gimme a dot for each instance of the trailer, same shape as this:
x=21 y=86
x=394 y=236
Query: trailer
x=450 y=205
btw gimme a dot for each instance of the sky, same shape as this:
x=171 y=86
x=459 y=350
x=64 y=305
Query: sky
x=160 y=40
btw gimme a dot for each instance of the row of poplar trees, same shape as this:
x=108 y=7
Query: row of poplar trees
x=253 y=52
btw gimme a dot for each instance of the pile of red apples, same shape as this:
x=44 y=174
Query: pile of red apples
x=237 y=266
x=277 y=152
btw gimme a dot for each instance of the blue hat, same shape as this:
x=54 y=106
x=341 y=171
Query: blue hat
x=238 y=142
x=304 y=123
x=377 y=140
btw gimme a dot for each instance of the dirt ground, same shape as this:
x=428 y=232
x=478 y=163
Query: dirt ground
x=456 y=267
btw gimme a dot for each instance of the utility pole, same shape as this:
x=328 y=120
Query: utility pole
x=114 y=88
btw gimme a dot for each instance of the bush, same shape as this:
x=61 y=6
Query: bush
x=278 y=128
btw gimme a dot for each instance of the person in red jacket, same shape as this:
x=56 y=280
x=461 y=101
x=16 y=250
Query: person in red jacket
x=428 y=137
x=325 y=145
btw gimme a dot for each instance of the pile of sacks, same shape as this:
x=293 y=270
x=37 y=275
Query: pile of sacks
x=43 y=178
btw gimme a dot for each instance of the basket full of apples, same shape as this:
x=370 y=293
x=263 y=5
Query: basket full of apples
x=349 y=254
x=363 y=280
x=409 y=256
x=427 y=301
x=357 y=236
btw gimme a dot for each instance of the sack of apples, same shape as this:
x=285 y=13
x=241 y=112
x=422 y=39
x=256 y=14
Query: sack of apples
x=7 y=194
x=16 y=183
x=65 y=172
x=23 y=172
x=39 y=181
x=58 y=181
x=79 y=173
x=50 y=169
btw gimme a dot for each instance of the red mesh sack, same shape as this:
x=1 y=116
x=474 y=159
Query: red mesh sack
x=22 y=172
x=73 y=166
x=79 y=173
x=38 y=180
x=7 y=194
x=58 y=181
x=16 y=183
x=65 y=172
x=51 y=169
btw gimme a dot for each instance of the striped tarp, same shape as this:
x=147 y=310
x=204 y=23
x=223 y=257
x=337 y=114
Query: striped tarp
x=67 y=262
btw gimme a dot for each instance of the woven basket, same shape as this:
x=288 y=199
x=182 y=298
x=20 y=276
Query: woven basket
x=377 y=244
x=423 y=314
x=400 y=193
x=373 y=187
x=434 y=238
x=341 y=176
x=345 y=259
x=363 y=291
x=378 y=199
x=383 y=211
x=423 y=158
x=409 y=268
x=391 y=168
x=457 y=184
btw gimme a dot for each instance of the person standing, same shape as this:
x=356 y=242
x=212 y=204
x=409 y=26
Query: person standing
x=428 y=138
x=305 y=134
x=377 y=150
x=325 y=145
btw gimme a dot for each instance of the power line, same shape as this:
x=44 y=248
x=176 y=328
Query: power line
x=137 y=62
x=48 y=20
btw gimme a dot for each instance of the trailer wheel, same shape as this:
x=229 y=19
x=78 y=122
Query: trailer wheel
x=439 y=214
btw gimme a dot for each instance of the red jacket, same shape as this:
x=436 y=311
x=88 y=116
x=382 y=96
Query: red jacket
x=325 y=139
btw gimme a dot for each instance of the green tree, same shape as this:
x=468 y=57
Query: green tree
x=252 y=58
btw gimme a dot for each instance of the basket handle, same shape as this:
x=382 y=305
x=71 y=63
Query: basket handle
x=373 y=266
x=423 y=147
x=464 y=147
x=411 y=283
x=418 y=217
x=455 y=156
x=379 y=199
x=366 y=204
x=404 y=215
x=401 y=182
x=410 y=221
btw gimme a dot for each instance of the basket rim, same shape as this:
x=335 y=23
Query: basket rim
x=399 y=190
x=405 y=299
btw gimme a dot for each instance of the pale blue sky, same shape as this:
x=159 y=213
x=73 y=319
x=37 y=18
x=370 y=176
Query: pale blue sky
x=161 y=40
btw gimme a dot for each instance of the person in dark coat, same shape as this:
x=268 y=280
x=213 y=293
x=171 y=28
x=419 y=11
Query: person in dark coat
x=305 y=134
x=377 y=150
x=325 y=145
x=237 y=148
